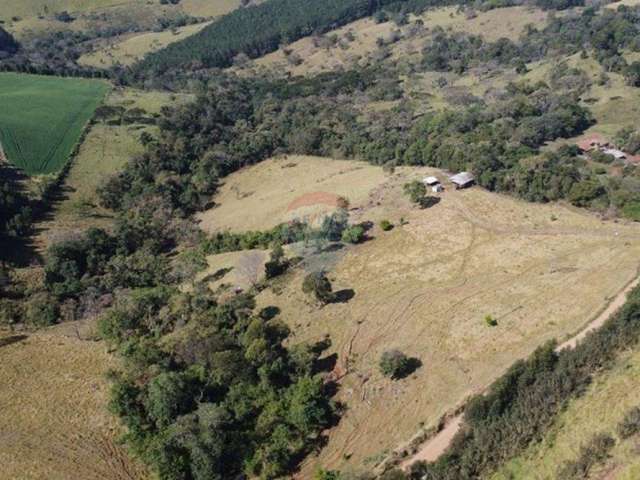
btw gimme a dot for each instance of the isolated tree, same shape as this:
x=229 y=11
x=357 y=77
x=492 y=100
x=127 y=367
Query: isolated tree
x=277 y=263
x=416 y=191
x=632 y=74
x=353 y=234
x=395 y=364
x=386 y=225
x=318 y=285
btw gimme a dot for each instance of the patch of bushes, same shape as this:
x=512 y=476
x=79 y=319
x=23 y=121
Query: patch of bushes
x=386 y=225
x=630 y=424
x=222 y=397
x=353 y=234
x=595 y=452
x=283 y=234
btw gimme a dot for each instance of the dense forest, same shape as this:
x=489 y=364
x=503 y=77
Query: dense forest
x=261 y=29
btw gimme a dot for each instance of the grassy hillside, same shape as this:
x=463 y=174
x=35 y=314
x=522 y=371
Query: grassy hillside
x=433 y=279
x=132 y=49
x=599 y=410
x=259 y=30
x=42 y=118
x=357 y=42
x=54 y=414
x=35 y=8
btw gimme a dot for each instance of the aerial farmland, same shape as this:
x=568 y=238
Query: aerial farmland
x=43 y=117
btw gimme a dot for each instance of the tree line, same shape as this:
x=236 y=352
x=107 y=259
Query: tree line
x=261 y=29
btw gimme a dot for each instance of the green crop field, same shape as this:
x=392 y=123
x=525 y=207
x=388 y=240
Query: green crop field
x=42 y=118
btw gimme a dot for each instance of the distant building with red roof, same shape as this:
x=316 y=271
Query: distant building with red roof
x=595 y=141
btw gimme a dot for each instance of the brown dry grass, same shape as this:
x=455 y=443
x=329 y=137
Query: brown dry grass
x=260 y=197
x=426 y=287
x=504 y=22
x=235 y=269
x=134 y=47
x=54 y=422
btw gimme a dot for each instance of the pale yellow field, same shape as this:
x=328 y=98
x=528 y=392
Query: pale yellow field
x=261 y=197
x=34 y=8
x=504 y=22
x=598 y=411
x=54 y=419
x=133 y=48
x=243 y=269
x=426 y=287
x=209 y=8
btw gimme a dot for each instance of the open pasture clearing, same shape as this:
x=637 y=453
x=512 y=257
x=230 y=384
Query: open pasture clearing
x=506 y=22
x=543 y=271
x=132 y=49
x=42 y=118
x=54 y=419
x=599 y=410
x=287 y=188
x=37 y=8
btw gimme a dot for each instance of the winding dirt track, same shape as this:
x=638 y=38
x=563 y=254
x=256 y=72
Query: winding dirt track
x=432 y=449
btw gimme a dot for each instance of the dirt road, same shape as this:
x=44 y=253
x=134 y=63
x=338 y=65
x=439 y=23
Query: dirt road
x=438 y=444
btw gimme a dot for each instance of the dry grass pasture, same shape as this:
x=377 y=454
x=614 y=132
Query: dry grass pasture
x=603 y=406
x=234 y=269
x=315 y=57
x=136 y=46
x=35 y=8
x=277 y=190
x=425 y=288
x=54 y=421
x=27 y=9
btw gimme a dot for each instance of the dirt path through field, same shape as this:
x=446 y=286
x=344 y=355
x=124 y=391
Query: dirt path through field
x=438 y=444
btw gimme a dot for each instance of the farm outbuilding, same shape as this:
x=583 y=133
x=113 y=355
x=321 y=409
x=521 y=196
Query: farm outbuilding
x=463 y=180
x=437 y=188
x=430 y=181
x=615 y=153
x=593 y=142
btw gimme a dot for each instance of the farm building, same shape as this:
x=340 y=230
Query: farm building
x=430 y=181
x=463 y=180
x=593 y=142
x=615 y=153
x=437 y=188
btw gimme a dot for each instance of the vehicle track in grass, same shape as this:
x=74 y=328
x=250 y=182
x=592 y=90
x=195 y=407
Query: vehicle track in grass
x=437 y=445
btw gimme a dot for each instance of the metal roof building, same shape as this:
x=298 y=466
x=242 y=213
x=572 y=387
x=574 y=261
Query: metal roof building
x=463 y=179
